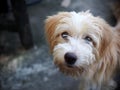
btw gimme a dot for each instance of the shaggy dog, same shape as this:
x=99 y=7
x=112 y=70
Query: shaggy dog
x=85 y=46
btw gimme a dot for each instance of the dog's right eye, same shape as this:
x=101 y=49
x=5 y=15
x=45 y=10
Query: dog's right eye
x=64 y=35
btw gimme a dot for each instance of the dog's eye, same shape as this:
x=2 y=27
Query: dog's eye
x=64 y=35
x=88 y=38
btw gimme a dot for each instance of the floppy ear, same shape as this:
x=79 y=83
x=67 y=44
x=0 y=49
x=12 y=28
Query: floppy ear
x=106 y=36
x=50 y=26
x=108 y=50
x=106 y=39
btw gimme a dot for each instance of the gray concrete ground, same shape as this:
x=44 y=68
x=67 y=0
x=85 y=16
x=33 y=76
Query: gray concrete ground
x=34 y=69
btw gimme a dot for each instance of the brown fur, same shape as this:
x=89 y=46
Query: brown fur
x=50 y=27
x=109 y=49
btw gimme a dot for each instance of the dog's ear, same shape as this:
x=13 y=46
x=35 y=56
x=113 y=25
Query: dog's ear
x=106 y=37
x=50 y=25
x=107 y=49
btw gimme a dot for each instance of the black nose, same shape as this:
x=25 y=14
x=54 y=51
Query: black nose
x=70 y=58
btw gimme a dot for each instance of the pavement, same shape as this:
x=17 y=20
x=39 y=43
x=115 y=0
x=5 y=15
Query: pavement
x=34 y=69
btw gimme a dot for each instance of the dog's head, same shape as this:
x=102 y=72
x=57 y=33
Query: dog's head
x=77 y=40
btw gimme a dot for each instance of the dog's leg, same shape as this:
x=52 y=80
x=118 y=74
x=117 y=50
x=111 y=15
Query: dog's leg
x=111 y=85
x=84 y=86
x=87 y=85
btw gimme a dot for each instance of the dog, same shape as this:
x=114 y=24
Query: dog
x=85 y=46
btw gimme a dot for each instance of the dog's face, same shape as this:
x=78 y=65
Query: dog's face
x=77 y=40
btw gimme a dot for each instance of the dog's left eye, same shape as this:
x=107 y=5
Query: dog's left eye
x=64 y=35
x=88 y=38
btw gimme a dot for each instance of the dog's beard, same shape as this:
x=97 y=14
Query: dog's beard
x=68 y=70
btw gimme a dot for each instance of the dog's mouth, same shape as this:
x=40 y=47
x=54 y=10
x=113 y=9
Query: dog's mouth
x=70 y=69
x=70 y=66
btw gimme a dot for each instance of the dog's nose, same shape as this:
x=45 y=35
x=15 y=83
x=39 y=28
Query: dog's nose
x=70 y=58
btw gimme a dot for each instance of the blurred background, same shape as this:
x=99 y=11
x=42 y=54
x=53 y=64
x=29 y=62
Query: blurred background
x=25 y=61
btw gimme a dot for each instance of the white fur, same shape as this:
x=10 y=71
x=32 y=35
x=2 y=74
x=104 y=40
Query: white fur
x=82 y=49
x=95 y=62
